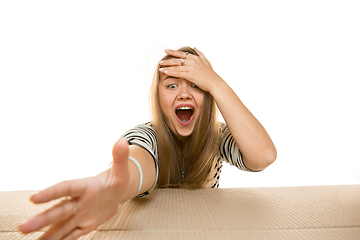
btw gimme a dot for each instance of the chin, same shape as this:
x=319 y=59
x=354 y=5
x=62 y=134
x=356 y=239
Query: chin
x=184 y=132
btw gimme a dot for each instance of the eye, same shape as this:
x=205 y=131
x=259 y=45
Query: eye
x=172 y=86
x=194 y=86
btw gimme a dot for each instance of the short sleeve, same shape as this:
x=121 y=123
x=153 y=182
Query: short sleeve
x=144 y=136
x=229 y=150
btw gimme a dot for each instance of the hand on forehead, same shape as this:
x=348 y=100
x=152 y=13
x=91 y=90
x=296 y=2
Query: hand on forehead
x=174 y=58
x=194 y=68
x=176 y=53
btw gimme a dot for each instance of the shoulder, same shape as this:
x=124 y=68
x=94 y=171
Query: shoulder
x=141 y=129
x=223 y=128
x=222 y=125
x=143 y=135
x=227 y=140
x=146 y=126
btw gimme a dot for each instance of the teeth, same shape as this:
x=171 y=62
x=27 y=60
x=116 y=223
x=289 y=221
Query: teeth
x=184 y=108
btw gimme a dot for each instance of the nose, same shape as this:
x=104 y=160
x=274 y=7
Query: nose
x=184 y=93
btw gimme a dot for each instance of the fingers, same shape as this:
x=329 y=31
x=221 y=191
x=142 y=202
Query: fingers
x=201 y=55
x=174 y=53
x=173 y=62
x=180 y=72
x=76 y=233
x=121 y=158
x=59 y=212
x=178 y=55
x=170 y=62
x=121 y=151
x=60 y=229
x=181 y=54
x=72 y=188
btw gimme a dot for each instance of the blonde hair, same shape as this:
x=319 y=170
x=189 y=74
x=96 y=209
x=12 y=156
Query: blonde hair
x=197 y=155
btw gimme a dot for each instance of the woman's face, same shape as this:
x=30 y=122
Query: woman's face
x=180 y=102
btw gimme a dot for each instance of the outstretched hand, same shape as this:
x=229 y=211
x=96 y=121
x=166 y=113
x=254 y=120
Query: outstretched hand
x=196 y=69
x=88 y=202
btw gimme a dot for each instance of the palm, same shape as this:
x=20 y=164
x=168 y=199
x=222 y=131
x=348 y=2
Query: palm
x=97 y=199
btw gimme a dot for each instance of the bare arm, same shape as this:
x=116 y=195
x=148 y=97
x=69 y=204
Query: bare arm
x=96 y=198
x=148 y=168
x=256 y=146
x=250 y=136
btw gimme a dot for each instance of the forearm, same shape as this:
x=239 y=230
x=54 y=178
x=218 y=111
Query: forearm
x=257 y=148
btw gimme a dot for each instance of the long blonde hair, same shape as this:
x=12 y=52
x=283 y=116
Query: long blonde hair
x=197 y=155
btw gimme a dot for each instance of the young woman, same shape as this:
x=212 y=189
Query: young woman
x=182 y=147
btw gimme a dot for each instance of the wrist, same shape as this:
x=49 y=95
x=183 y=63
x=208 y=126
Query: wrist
x=217 y=87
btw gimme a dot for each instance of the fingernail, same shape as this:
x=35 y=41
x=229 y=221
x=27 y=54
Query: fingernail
x=166 y=50
x=161 y=69
x=162 y=61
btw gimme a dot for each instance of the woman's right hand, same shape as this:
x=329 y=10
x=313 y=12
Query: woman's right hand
x=93 y=200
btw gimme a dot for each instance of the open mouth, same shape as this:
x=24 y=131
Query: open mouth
x=184 y=114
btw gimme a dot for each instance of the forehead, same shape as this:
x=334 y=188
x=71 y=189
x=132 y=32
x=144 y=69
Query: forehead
x=162 y=76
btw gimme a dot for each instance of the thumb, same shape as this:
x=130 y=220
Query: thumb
x=120 y=158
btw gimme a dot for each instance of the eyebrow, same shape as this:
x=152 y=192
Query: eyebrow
x=170 y=77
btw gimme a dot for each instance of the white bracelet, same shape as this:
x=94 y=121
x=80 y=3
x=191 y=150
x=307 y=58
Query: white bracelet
x=140 y=172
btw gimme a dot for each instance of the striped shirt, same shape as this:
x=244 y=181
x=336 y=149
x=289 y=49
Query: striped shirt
x=144 y=136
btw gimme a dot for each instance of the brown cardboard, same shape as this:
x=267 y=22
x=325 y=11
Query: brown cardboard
x=316 y=212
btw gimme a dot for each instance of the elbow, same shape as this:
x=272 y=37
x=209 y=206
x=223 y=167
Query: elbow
x=271 y=156
x=263 y=160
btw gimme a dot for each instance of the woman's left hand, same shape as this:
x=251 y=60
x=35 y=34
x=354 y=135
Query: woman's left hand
x=196 y=69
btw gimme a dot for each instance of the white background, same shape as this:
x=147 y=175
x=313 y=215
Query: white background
x=75 y=75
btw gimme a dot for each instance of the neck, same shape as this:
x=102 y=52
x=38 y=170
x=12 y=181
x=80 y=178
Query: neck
x=182 y=141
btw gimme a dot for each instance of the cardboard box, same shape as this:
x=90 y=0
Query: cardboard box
x=316 y=212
